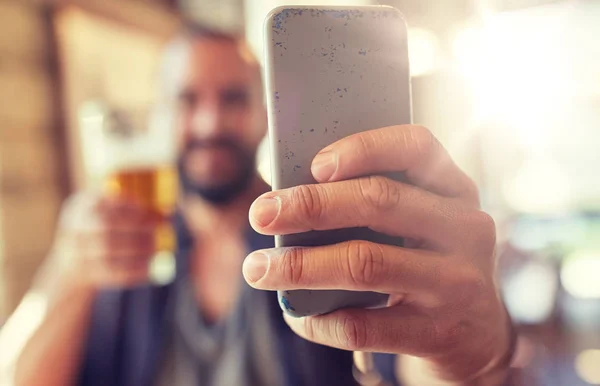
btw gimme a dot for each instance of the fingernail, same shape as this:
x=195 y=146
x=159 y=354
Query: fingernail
x=265 y=210
x=324 y=166
x=255 y=266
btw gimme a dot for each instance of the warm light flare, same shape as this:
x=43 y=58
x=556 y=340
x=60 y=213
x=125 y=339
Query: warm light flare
x=530 y=293
x=514 y=69
x=423 y=50
x=579 y=275
x=587 y=365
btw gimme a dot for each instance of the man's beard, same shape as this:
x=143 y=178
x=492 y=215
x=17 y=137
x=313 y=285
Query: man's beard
x=224 y=192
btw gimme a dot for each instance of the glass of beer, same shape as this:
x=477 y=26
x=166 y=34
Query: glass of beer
x=126 y=154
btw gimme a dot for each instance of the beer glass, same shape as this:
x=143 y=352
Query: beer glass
x=127 y=154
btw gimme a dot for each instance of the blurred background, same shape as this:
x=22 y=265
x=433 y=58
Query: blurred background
x=511 y=88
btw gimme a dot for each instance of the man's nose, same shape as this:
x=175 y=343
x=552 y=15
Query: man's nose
x=207 y=120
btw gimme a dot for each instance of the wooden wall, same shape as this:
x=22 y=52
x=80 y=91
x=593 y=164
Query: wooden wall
x=40 y=162
x=32 y=165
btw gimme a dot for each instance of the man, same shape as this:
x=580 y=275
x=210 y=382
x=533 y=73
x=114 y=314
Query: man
x=103 y=325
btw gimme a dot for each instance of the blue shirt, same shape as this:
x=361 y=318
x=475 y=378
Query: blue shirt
x=129 y=328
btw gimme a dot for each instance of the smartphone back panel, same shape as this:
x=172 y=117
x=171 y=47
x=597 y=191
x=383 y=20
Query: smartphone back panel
x=331 y=72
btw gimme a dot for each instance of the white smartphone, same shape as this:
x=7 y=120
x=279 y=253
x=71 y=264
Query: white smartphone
x=331 y=72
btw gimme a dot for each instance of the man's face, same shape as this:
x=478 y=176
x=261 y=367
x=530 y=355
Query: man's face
x=220 y=120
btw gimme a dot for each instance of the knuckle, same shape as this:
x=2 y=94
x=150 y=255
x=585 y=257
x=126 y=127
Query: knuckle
x=379 y=192
x=365 y=263
x=421 y=139
x=307 y=202
x=483 y=233
x=366 y=142
x=352 y=333
x=448 y=334
x=474 y=282
x=471 y=192
x=292 y=265
x=308 y=328
x=470 y=285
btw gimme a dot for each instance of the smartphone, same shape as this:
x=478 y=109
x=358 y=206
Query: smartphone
x=331 y=72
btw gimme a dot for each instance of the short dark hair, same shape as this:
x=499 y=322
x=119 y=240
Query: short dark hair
x=188 y=33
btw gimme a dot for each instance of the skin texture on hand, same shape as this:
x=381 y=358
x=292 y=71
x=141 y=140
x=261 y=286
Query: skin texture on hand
x=444 y=309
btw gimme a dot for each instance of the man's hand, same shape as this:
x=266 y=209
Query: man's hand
x=103 y=242
x=444 y=307
x=100 y=243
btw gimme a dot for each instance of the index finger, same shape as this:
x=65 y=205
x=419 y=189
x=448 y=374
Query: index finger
x=410 y=149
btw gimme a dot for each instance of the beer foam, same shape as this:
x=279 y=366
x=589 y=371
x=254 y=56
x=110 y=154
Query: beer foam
x=136 y=154
x=105 y=151
x=104 y=154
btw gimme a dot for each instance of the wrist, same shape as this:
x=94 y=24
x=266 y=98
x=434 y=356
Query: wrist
x=413 y=371
x=56 y=276
x=498 y=371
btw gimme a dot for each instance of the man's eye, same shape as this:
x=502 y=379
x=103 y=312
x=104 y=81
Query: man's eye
x=235 y=98
x=188 y=99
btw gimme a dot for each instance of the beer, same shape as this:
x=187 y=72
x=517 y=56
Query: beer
x=131 y=153
x=155 y=189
